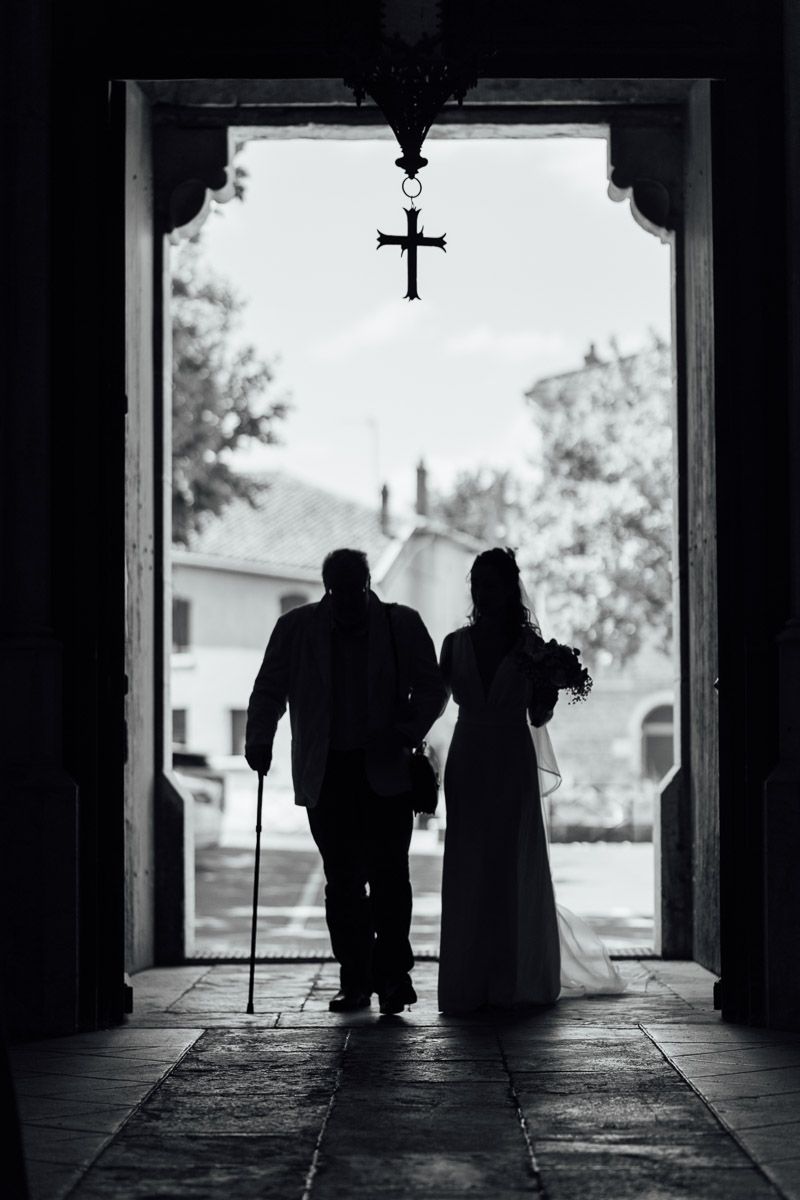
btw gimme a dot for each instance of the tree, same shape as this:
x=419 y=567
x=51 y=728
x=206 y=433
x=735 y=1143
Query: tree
x=220 y=396
x=599 y=557
x=483 y=502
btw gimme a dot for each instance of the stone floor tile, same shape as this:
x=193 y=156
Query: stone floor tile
x=660 y=1116
x=714 y=1030
x=89 y=1066
x=237 y=1044
x=198 y=1166
x=42 y=1109
x=154 y=1057
x=707 y=1148
x=631 y=1174
x=211 y=1116
x=584 y=1057
x=420 y=1097
x=434 y=1055
x=737 y=1061
x=425 y=1176
x=698 y=1049
x=156 y=987
x=181 y=1021
x=777 y=1143
x=81 y=1118
x=638 y=1083
x=786 y=1176
x=250 y=1081
x=75 y=1087
x=778 y=1081
x=758 y=1111
x=52 y=1181
x=45 y=1145
x=113 y=1039
x=462 y=1134
x=531 y=1035
x=453 y=1072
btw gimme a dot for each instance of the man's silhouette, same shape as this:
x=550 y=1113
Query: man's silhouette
x=363 y=687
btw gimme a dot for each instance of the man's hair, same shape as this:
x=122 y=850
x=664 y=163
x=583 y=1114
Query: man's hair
x=345 y=562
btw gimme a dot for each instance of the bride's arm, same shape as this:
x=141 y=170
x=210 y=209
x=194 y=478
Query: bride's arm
x=542 y=705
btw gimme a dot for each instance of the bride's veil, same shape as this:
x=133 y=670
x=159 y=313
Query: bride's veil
x=586 y=967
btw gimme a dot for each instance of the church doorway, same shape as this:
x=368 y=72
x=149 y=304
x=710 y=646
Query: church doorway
x=180 y=144
x=423 y=433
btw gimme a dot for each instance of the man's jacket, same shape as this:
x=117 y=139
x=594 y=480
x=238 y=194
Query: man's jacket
x=297 y=670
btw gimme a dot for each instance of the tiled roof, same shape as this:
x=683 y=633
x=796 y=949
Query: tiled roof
x=293 y=526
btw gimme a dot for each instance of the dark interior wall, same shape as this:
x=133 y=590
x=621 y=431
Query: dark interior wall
x=62 y=486
x=573 y=39
x=782 y=791
x=752 y=507
x=88 y=403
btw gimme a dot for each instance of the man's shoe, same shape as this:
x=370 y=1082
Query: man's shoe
x=395 y=999
x=349 y=1001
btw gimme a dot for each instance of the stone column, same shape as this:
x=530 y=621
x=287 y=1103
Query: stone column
x=782 y=788
x=38 y=799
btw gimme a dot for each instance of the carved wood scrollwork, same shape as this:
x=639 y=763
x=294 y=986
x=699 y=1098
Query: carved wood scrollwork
x=645 y=165
x=191 y=169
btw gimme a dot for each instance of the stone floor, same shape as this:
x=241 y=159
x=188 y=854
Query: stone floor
x=646 y=1095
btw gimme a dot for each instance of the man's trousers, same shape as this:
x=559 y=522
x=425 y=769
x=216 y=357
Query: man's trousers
x=364 y=839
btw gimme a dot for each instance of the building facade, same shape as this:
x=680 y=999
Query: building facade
x=251 y=565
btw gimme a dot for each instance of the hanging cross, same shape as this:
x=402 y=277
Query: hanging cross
x=409 y=242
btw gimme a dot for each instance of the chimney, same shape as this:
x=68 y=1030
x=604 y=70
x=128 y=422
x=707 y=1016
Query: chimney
x=385 y=509
x=422 y=488
x=592 y=358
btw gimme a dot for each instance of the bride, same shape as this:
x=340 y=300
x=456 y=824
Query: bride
x=504 y=941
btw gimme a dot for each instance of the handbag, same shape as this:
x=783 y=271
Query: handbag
x=423 y=763
x=425 y=779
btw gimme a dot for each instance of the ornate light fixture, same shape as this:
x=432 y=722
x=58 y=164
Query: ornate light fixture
x=411 y=85
x=411 y=78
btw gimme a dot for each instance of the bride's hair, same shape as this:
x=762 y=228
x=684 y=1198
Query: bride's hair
x=503 y=562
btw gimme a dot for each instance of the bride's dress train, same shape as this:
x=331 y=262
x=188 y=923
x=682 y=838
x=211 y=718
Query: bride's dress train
x=504 y=941
x=586 y=966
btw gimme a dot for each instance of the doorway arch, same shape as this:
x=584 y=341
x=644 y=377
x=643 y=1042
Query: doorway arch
x=659 y=141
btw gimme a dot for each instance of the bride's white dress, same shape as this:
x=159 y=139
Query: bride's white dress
x=504 y=941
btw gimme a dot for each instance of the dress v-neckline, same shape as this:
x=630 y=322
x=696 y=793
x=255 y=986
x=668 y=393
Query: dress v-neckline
x=487 y=692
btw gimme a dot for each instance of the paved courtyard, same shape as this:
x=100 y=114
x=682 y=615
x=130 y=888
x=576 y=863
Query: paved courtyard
x=610 y=884
x=646 y=1095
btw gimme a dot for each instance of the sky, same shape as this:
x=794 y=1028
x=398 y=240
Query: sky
x=539 y=263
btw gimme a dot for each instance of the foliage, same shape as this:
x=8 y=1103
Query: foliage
x=220 y=396
x=599 y=553
x=483 y=502
x=553 y=665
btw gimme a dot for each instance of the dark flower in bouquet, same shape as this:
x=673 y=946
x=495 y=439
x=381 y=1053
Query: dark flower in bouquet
x=553 y=665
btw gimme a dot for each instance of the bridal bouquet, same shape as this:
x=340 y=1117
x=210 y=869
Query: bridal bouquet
x=553 y=665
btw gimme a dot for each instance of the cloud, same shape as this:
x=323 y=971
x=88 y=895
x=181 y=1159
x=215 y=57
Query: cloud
x=389 y=323
x=511 y=346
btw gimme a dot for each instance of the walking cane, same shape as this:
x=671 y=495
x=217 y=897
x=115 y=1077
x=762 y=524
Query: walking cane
x=255 y=893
